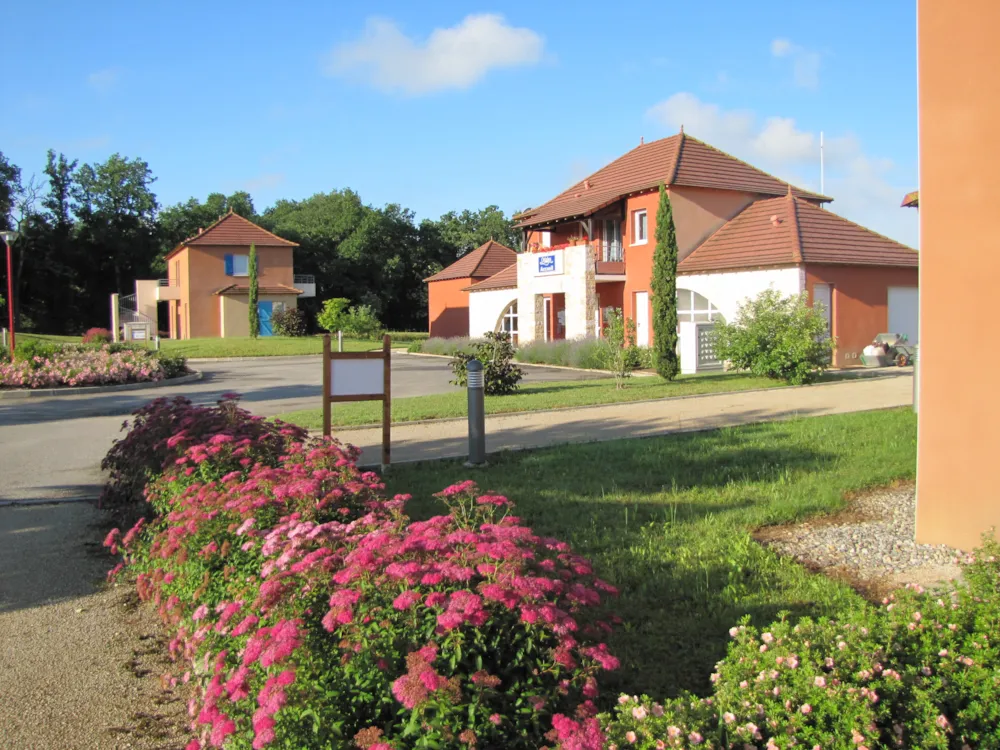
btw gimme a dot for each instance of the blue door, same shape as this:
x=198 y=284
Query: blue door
x=264 y=313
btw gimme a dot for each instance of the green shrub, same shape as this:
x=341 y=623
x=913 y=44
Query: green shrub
x=359 y=321
x=622 y=356
x=921 y=671
x=27 y=349
x=776 y=337
x=174 y=365
x=362 y=323
x=331 y=317
x=289 y=322
x=501 y=376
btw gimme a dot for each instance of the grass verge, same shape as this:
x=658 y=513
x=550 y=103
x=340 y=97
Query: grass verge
x=669 y=521
x=265 y=346
x=535 y=397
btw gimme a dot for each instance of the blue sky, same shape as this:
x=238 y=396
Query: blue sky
x=451 y=105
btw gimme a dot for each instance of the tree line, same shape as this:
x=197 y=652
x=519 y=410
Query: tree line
x=89 y=230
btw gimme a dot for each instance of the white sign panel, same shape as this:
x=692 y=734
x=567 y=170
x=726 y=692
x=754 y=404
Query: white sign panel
x=356 y=377
x=548 y=264
x=138 y=334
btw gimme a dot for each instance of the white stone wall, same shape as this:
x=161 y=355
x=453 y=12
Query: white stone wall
x=576 y=281
x=728 y=290
x=486 y=307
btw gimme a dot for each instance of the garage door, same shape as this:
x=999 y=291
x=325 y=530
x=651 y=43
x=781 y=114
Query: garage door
x=904 y=311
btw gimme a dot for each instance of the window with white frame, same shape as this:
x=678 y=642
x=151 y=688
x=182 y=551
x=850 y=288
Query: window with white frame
x=546 y=239
x=640 y=227
x=694 y=308
x=241 y=265
x=508 y=321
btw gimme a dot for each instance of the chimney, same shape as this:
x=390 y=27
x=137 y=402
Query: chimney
x=586 y=184
x=775 y=221
x=642 y=139
x=200 y=230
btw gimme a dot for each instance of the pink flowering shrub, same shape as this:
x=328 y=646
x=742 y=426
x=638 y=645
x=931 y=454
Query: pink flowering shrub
x=97 y=336
x=309 y=611
x=922 y=670
x=164 y=429
x=81 y=366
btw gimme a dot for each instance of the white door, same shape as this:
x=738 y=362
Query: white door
x=823 y=295
x=904 y=312
x=547 y=315
x=642 y=318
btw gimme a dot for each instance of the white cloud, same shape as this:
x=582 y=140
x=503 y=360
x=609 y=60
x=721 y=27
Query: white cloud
x=866 y=187
x=103 y=81
x=805 y=63
x=451 y=58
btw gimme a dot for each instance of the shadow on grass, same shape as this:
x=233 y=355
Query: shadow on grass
x=667 y=520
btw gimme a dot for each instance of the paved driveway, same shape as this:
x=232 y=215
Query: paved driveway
x=52 y=447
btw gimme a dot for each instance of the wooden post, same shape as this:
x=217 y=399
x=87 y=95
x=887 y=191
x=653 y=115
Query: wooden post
x=327 y=390
x=386 y=402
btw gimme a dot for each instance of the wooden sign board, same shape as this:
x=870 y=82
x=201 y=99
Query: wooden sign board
x=358 y=376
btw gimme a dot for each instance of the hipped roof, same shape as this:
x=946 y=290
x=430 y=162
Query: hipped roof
x=677 y=160
x=481 y=263
x=231 y=229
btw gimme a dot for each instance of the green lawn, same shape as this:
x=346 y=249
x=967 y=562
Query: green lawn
x=265 y=346
x=531 y=397
x=669 y=520
x=50 y=338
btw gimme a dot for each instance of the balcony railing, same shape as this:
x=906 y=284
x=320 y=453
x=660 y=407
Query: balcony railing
x=304 y=278
x=168 y=282
x=609 y=259
x=306 y=282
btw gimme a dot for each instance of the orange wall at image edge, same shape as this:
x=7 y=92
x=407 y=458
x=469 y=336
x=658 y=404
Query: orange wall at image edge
x=958 y=487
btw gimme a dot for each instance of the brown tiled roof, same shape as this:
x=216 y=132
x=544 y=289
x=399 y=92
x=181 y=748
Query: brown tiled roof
x=790 y=231
x=236 y=289
x=481 y=263
x=911 y=200
x=505 y=279
x=677 y=160
x=233 y=229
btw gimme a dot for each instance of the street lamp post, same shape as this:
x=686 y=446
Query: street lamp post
x=8 y=237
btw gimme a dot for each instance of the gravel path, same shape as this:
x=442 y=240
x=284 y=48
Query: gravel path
x=80 y=661
x=871 y=541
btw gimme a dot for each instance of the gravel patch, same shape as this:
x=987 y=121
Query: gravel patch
x=872 y=541
x=81 y=661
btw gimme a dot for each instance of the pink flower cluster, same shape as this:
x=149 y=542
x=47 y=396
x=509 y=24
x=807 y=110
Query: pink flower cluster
x=75 y=366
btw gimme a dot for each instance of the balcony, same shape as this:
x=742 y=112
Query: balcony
x=307 y=283
x=609 y=260
x=167 y=289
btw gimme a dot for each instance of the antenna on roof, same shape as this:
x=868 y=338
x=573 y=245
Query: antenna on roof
x=642 y=139
x=822 y=176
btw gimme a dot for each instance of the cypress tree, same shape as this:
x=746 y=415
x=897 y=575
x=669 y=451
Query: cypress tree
x=664 y=288
x=252 y=295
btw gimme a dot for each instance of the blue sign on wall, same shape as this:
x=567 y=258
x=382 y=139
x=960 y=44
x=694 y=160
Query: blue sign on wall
x=546 y=263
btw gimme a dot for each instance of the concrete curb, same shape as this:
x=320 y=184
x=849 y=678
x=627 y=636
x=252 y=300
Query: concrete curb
x=375 y=425
x=94 y=389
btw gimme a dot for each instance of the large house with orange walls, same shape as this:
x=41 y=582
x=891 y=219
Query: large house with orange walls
x=207 y=285
x=447 y=290
x=739 y=231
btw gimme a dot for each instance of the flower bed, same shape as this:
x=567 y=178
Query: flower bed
x=70 y=366
x=307 y=610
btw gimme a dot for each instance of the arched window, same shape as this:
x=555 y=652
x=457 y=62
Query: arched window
x=693 y=308
x=508 y=321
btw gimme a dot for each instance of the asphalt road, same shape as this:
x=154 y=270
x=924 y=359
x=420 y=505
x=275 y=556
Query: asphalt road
x=52 y=447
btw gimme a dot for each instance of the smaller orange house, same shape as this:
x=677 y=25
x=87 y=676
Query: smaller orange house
x=207 y=282
x=447 y=290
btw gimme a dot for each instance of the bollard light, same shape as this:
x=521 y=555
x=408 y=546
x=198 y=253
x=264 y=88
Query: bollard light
x=477 y=413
